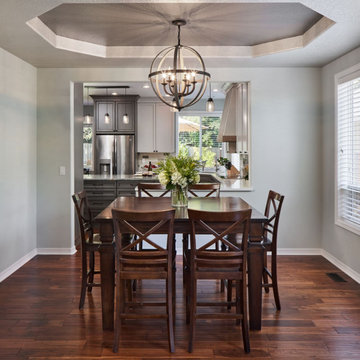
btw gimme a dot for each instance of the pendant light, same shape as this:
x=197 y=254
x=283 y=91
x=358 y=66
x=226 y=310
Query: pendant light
x=125 y=116
x=210 y=105
x=184 y=84
x=87 y=116
x=107 y=116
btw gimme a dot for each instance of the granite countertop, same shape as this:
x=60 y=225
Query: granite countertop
x=227 y=185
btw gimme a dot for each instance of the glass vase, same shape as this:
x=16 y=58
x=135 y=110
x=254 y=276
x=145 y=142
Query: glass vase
x=179 y=196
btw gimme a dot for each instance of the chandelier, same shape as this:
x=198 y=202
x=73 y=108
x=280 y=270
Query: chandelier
x=175 y=84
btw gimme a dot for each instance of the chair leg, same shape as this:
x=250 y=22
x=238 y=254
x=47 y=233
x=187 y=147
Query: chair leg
x=265 y=275
x=120 y=293
x=92 y=269
x=244 y=321
x=173 y=292
x=239 y=300
x=83 y=280
x=275 y=282
x=229 y=293
x=185 y=240
x=193 y=300
x=222 y=281
x=170 y=313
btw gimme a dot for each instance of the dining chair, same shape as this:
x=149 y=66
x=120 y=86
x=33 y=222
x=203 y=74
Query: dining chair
x=90 y=243
x=209 y=263
x=157 y=262
x=198 y=190
x=149 y=189
x=272 y=212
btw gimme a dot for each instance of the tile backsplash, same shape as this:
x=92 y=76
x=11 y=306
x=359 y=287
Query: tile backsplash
x=143 y=159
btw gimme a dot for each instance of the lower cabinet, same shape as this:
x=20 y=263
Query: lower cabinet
x=101 y=193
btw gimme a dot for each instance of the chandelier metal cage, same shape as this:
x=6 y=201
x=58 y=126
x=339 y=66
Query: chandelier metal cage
x=175 y=84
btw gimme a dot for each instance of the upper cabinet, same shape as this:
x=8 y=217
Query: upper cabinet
x=116 y=107
x=155 y=128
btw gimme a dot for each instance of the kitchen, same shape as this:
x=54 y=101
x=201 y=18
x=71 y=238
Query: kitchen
x=292 y=133
x=121 y=155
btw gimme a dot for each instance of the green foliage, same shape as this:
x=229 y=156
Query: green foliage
x=189 y=141
x=87 y=134
x=178 y=171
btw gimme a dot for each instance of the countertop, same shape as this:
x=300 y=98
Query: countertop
x=227 y=185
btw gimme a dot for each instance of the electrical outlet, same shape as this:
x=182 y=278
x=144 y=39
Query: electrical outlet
x=62 y=171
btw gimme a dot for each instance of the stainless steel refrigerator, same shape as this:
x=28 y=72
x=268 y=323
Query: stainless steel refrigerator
x=114 y=154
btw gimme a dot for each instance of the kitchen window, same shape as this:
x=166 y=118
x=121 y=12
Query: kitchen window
x=197 y=136
x=348 y=150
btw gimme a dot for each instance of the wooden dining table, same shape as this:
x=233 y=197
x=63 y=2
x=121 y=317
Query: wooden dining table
x=181 y=226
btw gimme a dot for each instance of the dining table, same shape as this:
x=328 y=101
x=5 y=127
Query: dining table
x=181 y=226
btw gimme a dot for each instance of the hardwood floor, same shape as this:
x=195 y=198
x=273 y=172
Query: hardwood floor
x=40 y=319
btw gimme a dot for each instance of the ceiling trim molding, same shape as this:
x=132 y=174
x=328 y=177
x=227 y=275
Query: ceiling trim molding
x=88 y=48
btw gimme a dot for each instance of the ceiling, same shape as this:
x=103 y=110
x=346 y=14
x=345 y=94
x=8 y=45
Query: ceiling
x=150 y=24
x=235 y=33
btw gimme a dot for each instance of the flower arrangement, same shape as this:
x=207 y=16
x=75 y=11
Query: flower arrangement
x=176 y=173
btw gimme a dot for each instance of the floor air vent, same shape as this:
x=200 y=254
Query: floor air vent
x=335 y=277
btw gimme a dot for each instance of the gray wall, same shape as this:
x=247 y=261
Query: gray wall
x=286 y=146
x=17 y=159
x=341 y=243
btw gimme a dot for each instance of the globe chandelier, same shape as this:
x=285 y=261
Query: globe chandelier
x=175 y=84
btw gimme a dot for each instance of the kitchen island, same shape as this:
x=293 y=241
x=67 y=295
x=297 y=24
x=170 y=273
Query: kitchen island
x=103 y=189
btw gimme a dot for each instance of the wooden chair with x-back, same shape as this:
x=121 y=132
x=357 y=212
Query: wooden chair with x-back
x=155 y=262
x=206 y=262
x=90 y=243
x=272 y=212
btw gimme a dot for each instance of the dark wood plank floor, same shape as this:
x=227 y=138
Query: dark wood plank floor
x=39 y=318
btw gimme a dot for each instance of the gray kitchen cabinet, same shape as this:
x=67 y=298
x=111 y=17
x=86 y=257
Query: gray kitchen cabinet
x=101 y=108
x=155 y=128
x=128 y=108
x=116 y=106
x=100 y=194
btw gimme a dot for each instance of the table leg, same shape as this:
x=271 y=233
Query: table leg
x=107 y=266
x=255 y=269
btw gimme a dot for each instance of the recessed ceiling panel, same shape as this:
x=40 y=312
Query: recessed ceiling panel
x=209 y=24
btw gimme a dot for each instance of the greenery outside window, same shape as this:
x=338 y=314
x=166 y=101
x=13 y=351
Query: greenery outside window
x=197 y=136
x=88 y=147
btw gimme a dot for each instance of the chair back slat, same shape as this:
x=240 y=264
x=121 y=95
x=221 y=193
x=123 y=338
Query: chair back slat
x=233 y=222
x=84 y=217
x=145 y=189
x=272 y=212
x=206 y=190
x=134 y=222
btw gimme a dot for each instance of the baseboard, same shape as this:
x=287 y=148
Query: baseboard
x=281 y=251
x=343 y=267
x=299 y=251
x=17 y=265
x=56 y=251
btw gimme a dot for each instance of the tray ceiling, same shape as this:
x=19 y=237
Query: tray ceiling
x=208 y=24
x=235 y=33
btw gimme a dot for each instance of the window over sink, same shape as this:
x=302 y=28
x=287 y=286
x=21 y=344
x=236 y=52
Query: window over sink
x=197 y=136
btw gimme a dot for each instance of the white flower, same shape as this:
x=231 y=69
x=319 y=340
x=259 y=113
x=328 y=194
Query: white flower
x=197 y=178
x=183 y=182
x=163 y=179
x=176 y=178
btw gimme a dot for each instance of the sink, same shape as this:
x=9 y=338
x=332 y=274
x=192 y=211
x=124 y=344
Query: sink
x=208 y=178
